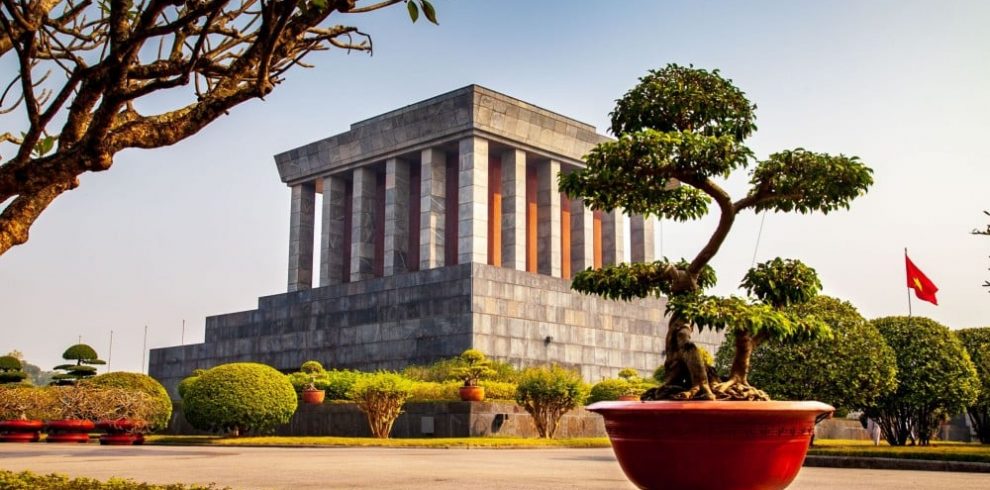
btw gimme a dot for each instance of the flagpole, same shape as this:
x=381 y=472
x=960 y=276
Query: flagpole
x=908 y=289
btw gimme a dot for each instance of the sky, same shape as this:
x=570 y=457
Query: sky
x=201 y=228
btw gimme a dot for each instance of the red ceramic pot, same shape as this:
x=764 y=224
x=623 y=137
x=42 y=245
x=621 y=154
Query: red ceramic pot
x=472 y=393
x=70 y=430
x=121 y=439
x=20 y=430
x=313 y=397
x=758 y=445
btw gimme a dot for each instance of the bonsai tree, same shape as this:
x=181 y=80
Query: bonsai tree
x=936 y=380
x=381 y=396
x=237 y=398
x=681 y=131
x=547 y=393
x=475 y=366
x=977 y=344
x=11 y=371
x=848 y=370
x=310 y=377
x=85 y=358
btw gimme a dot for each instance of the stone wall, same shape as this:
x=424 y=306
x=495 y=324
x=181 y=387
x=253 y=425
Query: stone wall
x=419 y=317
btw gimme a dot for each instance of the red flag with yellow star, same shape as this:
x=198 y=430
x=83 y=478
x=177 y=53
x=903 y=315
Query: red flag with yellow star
x=923 y=287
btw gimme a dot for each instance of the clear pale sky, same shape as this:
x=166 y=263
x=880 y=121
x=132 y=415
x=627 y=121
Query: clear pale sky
x=201 y=228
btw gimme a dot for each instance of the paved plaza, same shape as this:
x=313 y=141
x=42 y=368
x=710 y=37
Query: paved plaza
x=312 y=468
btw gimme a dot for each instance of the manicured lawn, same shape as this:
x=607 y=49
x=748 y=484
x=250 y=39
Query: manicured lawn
x=941 y=451
x=458 y=442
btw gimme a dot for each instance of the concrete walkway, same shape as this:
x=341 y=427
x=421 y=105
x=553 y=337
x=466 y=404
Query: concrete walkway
x=321 y=468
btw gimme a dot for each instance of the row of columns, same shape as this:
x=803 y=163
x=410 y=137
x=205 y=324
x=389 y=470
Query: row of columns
x=499 y=207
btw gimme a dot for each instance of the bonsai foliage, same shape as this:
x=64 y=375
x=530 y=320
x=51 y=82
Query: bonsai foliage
x=85 y=358
x=849 y=369
x=11 y=371
x=88 y=75
x=977 y=344
x=381 y=396
x=547 y=393
x=311 y=377
x=687 y=126
x=475 y=366
x=83 y=402
x=18 y=402
x=160 y=404
x=936 y=380
x=238 y=398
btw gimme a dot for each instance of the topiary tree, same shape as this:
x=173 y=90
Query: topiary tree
x=680 y=131
x=238 y=398
x=936 y=379
x=976 y=341
x=85 y=357
x=547 y=393
x=11 y=371
x=849 y=369
x=160 y=410
x=609 y=389
x=381 y=396
x=474 y=367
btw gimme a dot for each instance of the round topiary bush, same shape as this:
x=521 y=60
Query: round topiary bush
x=11 y=370
x=311 y=367
x=977 y=344
x=239 y=397
x=160 y=401
x=609 y=389
x=85 y=357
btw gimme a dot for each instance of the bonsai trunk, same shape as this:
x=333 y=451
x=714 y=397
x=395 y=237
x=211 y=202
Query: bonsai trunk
x=737 y=387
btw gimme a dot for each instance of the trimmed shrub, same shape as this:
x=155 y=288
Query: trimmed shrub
x=161 y=410
x=429 y=391
x=497 y=390
x=27 y=403
x=238 y=398
x=312 y=367
x=444 y=369
x=381 y=396
x=27 y=480
x=85 y=358
x=547 y=393
x=11 y=371
x=977 y=344
x=339 y=383
x=937 y=379
x=609 y=389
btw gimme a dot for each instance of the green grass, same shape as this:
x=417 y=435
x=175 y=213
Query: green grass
x=28 y=480
x=938 y=451
x=326 y=441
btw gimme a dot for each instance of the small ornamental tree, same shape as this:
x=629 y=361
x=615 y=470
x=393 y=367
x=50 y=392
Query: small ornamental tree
x=11 y=371
x=85 y=358
x=381 y=397
x=936 y=379
x=547 y=393
x=977 y=344
x=238 y=398
x=159 y=403
x=848 y=370
x=475 y=367
x=680 y=132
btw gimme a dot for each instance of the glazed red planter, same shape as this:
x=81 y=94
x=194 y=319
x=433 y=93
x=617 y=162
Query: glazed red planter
x=70 y=430
x=313 y=397
x=119 y=432
x=20 y=430
x=472 y=393
x=757 y=445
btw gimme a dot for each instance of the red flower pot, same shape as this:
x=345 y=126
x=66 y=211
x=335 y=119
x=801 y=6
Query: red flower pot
x=20 y=430
x=472 y=393
x=758 y=445
x=121 y=439
x=70 y=430
x=313 y=397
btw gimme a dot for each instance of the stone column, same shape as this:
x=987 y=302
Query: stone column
x=332 y=241
x=363 y=224
x=396 y=216
x=514 y=210
x=641 y=239
x=582 y=237
x=548 y=219
x=302 y=217
x=433 y=195
x=613 y=237
x=472 y=208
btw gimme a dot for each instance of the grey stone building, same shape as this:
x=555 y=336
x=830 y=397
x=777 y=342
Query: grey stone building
x=442 y=229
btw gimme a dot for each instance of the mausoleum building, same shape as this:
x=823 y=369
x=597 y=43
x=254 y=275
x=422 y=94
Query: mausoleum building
x=442 y=228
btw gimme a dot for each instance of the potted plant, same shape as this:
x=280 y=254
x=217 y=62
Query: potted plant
x=310 y=381
x=680 y=134
x=311 y=394
x=72 y=417
x=474 y=367
x=85 y=358
x=21 y=412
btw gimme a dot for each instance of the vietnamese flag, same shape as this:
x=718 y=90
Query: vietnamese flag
x=923 y=287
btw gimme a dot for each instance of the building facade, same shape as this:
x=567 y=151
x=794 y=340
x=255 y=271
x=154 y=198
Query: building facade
x=442 y=228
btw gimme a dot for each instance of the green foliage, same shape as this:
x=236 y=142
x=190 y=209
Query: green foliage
x=27 y=480
x=10 y=363
x=161 y=402
x=976 y=341
x=80 y=352
x=805 y=181
x=339 y=383
x=428 y=11
x=11 y=371
x=447 y=369
x=637 y=280
x=781 y=282
x=936 y=379
x=474 y=367
x=848 y=370
x=312 y=367
x=381 y=396
x=85 y=357
x=499 y=390
x=187 y=383
x=757 y=319
x=609 y=389
x=27 y=402
x=547 y=393
x=628 y=373
x=239 y=397
x=431 y=391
